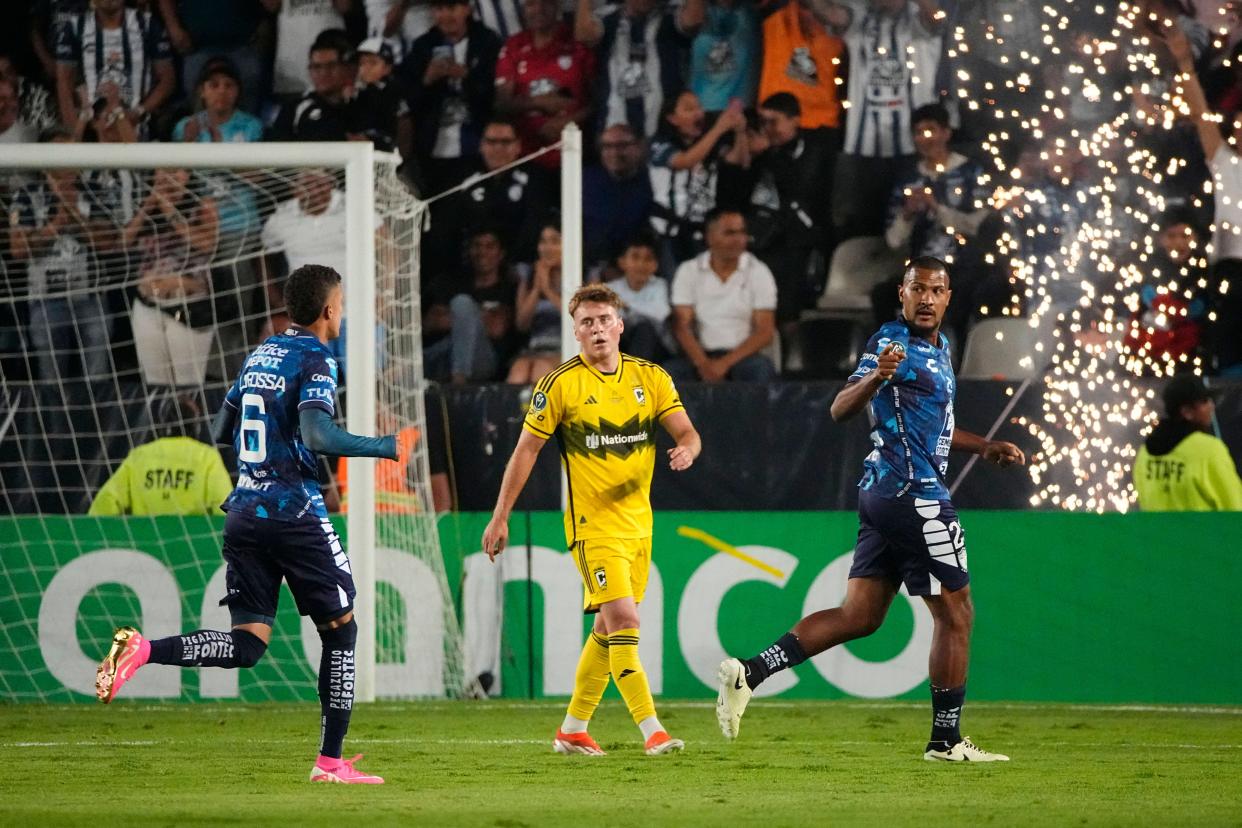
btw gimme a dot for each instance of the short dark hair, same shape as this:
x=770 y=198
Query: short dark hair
x=925 y=263
x=307 y=291
x=643 y=238
x=1181 y=215
x=338 y=41
x=931 y=112
x=784 y=103
x=716 y=213
x=178 y=416
x=501 y=120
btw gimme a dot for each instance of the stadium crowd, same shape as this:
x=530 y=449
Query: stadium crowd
x=742 y=154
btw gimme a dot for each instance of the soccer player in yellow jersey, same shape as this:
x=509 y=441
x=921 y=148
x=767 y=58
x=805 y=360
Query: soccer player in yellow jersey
x=603 y=407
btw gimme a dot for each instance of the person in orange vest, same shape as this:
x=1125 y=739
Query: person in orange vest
x=396 y=484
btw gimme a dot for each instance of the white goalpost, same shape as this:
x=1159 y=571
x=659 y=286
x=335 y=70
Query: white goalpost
x=410 y=644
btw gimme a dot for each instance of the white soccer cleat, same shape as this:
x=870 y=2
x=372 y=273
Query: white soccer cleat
x=733 y=696
x=661 y=743
x=569 y=744
x=964 y=751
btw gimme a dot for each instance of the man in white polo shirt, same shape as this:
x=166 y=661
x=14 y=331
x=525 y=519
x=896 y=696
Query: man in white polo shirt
x=724 y=308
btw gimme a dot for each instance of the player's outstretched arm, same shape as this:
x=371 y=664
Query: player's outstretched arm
x=994 y=451
x=689 y=444
x=322 y=436
x=517 y=472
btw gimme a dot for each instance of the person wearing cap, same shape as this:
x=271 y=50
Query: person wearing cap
x=1182 y=466
x=218 y=118
x=378 y=111
x=451 y=77
x=322 y=113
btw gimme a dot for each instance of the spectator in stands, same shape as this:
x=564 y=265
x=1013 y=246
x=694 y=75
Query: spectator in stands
x=217 y=117
x=516 y=201
x=173 y=316
x=174 y=474
x=689 y=160
x=57 y=228
x=479 y=314
x=46 y=18
x=640 y=47
x=111 y=46
x=13 y=130
x=724 y=308
x=789 y=206
x=894 y=51
x=941 y=201
x=645 y=295
x=399 y=23
x=35 y=106
x=543 y=78
x=504 y=17
x=1168 y=310
x=539 y=311
x=1183 y=466
x=802 y=58
x=616 y=196
x=322 y=113
x=451 y=77
x=306 y=229
x=203 y=30
x=724 y=56
x=299 y=23
x=378 y=109
x=935 y=209
x=1226 y=167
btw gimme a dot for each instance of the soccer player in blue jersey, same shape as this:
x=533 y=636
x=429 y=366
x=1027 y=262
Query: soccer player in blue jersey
x=908 y=529
x=278 y=416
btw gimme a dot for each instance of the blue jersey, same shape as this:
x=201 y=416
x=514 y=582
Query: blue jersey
x=911 y=417
x=277 y=474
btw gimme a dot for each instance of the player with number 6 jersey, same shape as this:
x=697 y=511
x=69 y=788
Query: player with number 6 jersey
x=278 y=416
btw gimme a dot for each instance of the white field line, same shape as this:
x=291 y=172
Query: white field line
x=497 y=742
x=558 y=704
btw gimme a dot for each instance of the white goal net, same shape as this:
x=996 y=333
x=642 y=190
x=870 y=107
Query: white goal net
x=136 y=279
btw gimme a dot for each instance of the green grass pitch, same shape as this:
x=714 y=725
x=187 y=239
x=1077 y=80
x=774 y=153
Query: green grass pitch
x=491 y=764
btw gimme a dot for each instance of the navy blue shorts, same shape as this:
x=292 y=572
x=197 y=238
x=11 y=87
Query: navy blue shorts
x=910 y=540
x=307 y=553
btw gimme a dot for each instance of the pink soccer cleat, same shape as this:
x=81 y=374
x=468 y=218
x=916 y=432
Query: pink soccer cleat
x=128 y=652
x=328 y=769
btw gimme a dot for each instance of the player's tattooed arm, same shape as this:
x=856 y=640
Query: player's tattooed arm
x=855 y=396
x=999 y=452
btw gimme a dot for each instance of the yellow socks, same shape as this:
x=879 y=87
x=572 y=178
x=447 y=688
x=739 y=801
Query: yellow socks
x=628 y=673
x=591 y=678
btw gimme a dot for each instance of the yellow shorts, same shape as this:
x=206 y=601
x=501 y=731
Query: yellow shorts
x=612 y=568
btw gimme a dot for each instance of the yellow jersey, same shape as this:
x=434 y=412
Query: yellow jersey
x=605 y=426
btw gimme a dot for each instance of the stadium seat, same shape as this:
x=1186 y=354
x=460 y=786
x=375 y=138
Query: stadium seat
x=857 y=266
x=1000 y=348
x=773 y=351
